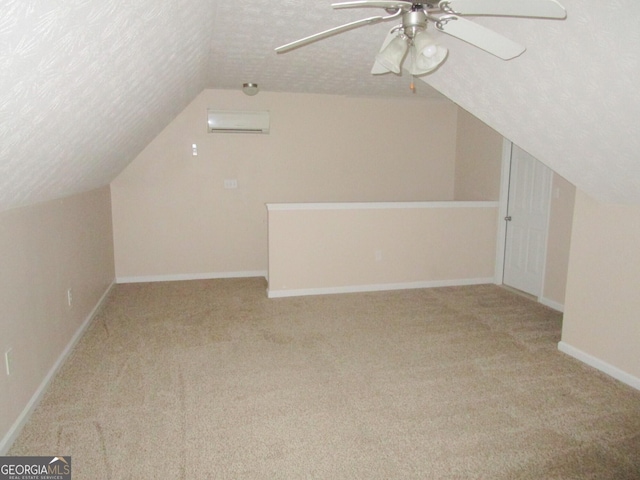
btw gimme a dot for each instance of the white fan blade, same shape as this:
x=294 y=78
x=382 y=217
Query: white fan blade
x=366 y=3
x=328 y=33
x=511 y=8
x=481 y=37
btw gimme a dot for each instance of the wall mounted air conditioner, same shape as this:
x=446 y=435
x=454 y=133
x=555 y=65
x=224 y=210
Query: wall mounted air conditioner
x=221 y=121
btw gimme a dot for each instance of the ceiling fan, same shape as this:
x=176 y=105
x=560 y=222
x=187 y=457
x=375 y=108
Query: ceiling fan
x=446 y=16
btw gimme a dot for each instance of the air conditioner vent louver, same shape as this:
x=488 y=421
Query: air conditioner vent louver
x=221 y=121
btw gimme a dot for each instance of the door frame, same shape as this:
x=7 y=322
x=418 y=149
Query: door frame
x=501 y=239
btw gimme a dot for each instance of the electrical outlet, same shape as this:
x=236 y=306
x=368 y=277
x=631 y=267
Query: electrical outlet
x=231 y=183
x=69 y=297
x=8 y=360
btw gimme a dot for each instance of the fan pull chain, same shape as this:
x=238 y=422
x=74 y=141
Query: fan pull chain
x=412 y=86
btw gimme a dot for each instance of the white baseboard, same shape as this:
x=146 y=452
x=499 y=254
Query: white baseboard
x=192 y=276
x=16 y=428
x=601 y=365
x=377 y=287
x=551 y=304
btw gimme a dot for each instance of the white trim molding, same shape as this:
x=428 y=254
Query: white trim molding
x=192 y=276
x=18 y=425
x=551 y=304
x=377 y=287
x=601 y=365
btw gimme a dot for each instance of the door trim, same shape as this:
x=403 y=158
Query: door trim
x=502 y=210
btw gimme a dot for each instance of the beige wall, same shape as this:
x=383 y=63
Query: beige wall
x=337 y=247
x=602 y=306
x=46 y=249
x=478 y=159
x=558 y=241
x=173 y=217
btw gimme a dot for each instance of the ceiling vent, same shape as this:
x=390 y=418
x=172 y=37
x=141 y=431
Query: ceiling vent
x=221 y=121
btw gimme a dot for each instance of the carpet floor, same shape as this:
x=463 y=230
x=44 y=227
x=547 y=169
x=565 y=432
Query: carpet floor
x=211 y=380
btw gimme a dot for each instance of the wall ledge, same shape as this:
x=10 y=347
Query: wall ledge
x=23 y=418
x=377 y=205
x=378 y=287
x=601 y=365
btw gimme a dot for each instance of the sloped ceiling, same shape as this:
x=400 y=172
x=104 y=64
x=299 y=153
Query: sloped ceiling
x=86 y=84
x=571 y=100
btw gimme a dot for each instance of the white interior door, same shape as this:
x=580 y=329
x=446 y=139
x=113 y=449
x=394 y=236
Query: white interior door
x=526 y=222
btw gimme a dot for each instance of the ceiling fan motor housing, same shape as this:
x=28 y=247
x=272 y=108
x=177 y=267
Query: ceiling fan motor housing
x=414 y=21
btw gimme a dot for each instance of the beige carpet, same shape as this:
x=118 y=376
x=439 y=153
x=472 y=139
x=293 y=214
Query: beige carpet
x=210 y=379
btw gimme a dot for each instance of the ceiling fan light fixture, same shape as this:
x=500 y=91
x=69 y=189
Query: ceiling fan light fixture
x=426 y=56
x=250 y=89
x=425 y=44
x=391 y=56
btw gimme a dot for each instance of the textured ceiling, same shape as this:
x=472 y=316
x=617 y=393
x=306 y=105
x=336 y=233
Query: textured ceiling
x=245 y=35
x=572 y=99
x=86 y=84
